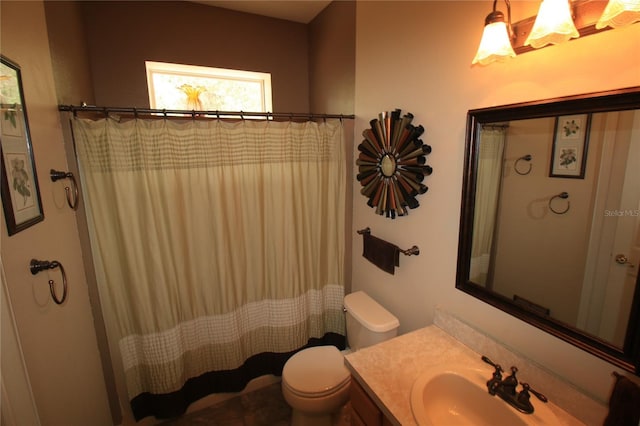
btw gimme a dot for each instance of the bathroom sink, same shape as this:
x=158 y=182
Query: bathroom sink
x=457 y=395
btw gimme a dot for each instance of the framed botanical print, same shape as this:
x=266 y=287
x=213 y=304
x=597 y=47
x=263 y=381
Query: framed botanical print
x=570 y=142
x=19 y=182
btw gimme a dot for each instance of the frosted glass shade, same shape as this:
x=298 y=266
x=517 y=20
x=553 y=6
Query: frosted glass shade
x=619 y=13
x=553 y=25
x=495 y=44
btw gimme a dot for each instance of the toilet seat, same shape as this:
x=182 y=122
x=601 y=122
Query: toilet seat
x=315 y=372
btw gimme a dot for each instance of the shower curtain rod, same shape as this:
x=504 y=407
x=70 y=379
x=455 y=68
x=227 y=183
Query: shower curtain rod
x=218 y=114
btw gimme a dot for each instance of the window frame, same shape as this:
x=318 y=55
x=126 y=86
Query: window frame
x=264 y=79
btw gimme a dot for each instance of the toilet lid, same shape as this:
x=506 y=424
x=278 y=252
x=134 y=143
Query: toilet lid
x=315 y=371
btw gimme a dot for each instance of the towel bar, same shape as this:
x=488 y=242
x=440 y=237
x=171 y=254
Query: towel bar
x=413 y=251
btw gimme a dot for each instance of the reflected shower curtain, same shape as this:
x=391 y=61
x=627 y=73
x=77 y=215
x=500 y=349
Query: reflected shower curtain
x=218 y=245
x=486 y=204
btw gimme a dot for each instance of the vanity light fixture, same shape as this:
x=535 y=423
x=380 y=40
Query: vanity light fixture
x=619 y=13
x=557 y=21
x=553 y=25
x=495 y=44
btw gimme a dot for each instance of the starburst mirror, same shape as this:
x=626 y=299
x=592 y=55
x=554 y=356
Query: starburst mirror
x=392 y=164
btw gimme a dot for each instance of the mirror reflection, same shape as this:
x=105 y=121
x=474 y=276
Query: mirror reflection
x=388 y=165
x=550 y=223
x=555 y=255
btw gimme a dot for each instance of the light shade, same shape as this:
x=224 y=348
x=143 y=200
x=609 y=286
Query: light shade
x=495 y=44
x=553 y=25
x=619 y=13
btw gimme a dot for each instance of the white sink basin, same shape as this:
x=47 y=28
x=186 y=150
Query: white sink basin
x=457 y=395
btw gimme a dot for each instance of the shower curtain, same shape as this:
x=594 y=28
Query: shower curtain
x=218 y=246
x=487 y=194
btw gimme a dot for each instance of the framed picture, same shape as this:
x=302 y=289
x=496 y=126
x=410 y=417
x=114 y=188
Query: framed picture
x=570 y=142
x=19 y=183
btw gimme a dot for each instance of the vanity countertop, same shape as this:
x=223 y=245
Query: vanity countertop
x=388 y=370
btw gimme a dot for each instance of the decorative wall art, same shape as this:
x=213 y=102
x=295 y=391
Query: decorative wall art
x=19 y=183
x=569 y=152
x=392 y=164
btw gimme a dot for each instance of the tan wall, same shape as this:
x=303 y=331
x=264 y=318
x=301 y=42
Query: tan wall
x=122 y=35
x=332 y=61
x=59 y=342
x=69 y=52
x=430 y=75
x=332 y=39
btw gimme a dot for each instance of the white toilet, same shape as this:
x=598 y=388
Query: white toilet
x=315 y=382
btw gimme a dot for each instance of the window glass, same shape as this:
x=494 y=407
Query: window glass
x=177 y=86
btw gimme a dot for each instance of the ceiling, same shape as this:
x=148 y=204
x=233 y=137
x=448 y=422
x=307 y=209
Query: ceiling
x=302 y=11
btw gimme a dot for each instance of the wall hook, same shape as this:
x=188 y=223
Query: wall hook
x=526 y=158
x=41 y=265
x=564 y=196
x=71 y=201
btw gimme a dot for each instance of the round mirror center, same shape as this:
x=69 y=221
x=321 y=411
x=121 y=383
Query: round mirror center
x=388 y=165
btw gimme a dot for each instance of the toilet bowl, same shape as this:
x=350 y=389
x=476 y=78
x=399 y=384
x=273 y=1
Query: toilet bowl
x=315 y=381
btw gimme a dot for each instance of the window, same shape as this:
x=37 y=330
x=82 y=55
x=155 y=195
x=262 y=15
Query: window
x=177 y=86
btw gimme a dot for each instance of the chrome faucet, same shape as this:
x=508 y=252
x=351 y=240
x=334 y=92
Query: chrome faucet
x=506 y=389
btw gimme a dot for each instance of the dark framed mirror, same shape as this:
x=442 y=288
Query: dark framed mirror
x=550 y=222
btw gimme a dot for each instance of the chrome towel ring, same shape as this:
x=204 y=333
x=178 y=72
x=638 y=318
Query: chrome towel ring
x=71 y=201
x=40 y=265
x=526 y=158
x=564 y=196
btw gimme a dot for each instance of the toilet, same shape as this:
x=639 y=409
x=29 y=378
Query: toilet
x=315 y=382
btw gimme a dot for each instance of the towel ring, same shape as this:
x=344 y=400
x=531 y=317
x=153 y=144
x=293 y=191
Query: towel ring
x=564 y=196
x=71 y=201
x=40 y=265
x=527 y=158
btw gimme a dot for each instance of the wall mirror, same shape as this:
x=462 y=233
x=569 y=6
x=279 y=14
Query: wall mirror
x=550 y=224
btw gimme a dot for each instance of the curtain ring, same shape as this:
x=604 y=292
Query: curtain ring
x=564 y=196
x=40 y=265
x=72 y=201
x=523 y=158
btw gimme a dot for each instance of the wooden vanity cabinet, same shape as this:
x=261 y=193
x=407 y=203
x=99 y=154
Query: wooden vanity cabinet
x=364 y=412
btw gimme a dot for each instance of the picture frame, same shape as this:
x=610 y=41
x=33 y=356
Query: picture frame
x=570 y=146
x=18 y=179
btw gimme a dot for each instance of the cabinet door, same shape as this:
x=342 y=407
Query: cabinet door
x=365 y=411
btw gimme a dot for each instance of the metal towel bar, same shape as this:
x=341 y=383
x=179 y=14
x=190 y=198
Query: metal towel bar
x=408 y=252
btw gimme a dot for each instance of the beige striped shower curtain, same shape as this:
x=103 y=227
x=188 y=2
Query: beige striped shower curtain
x=218 y=246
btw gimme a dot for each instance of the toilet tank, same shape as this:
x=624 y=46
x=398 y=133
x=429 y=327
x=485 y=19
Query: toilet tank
x=368 y=322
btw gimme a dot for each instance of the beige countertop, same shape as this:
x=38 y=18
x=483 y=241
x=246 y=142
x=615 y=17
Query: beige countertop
x=388 y=370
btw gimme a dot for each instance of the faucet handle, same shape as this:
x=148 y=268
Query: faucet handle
x=498 y=368
x=525 y=393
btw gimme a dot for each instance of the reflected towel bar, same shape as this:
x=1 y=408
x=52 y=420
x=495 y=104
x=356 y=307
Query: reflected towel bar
x=413 y=251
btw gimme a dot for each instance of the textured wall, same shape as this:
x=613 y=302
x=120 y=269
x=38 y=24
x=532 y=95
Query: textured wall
x=121 y=36
x=59 y=342
x=409 y=57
